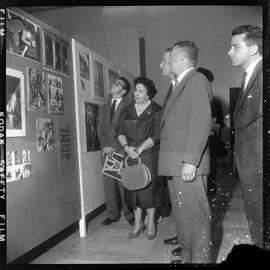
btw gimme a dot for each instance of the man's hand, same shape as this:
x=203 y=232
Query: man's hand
x=188 y=172
x=108 y=150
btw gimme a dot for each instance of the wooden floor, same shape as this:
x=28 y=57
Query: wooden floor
x=109 y=244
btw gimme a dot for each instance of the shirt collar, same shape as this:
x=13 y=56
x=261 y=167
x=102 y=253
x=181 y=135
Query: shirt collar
x=252 y=66
x=182 y=75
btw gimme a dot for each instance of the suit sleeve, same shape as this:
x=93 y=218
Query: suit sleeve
x=200 y=121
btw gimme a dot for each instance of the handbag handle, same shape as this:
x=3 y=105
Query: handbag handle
x=139 y=161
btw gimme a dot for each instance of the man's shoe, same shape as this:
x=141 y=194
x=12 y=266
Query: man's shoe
x=177 y=251
x=131 y=221
x=177 y=262
x=171 y=241
x=108 y=221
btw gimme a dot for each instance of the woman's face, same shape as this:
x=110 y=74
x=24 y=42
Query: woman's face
x=140 y=94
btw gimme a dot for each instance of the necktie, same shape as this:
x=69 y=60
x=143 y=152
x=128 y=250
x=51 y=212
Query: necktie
x=243 y=81
x=113 y=109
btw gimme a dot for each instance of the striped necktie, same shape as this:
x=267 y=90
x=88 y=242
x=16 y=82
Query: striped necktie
x=113 y=109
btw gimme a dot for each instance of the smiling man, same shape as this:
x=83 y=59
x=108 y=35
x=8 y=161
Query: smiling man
x=246 y=52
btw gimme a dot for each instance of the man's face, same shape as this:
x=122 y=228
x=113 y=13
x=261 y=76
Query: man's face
x=117 y=87
x=164 y=65
x=239 y=52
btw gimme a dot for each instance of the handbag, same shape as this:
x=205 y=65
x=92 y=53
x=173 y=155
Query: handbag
x=136 y=176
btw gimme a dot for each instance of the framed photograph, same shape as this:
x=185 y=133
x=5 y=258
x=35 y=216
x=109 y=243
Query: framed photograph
x=58 y=54
x=22 y=37
x=55 y=95
x=18 y=165
x=15 y=103
x=84 y=65
x=65 y=56
x=48 y=50
x=65 y=149
x=45 y=135
x=91 y=111
x=98 y=81
x=36 y=91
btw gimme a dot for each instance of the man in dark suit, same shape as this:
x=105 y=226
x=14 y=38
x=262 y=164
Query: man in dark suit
x=246 y=52
x=184 y=154
x=106 y=121
x=165 y=67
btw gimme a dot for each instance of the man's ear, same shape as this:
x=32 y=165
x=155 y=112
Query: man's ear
x=123 y=92
x=254 y=49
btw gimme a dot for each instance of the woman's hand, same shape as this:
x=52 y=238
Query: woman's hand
x=131 y=151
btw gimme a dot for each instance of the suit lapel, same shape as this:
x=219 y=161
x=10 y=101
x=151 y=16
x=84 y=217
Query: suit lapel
x=179 y=88
x=243 y=95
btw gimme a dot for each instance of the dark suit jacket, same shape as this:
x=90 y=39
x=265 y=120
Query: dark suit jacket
x=248 y=109
x=185 y=126
x=106 y=128
x=248 y=127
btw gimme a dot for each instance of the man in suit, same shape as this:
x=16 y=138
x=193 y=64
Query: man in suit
x=165 y=67
x=184 y=154
x=246 y=52
x=106 y=121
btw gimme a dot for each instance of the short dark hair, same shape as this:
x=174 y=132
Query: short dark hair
x=207 y=73
x=126 y=84
x=148 y=84
x=253 y=35
x=190 y=48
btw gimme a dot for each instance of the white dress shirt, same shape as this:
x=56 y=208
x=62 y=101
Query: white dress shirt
x=250 y=70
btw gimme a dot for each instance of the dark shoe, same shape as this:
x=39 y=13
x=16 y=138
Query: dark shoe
x=108 y=221
x=171 y=241
x=177 y=262
x=131 y=221
x=177 y=251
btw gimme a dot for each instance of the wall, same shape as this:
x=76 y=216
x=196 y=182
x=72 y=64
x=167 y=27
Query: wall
x=49 y=201
x=208 y=26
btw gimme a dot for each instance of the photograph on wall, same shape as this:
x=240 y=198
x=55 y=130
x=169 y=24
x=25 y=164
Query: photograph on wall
x=84 y=64
x=65 y=56
x=55 y=95
x=36 y=91
x=48 y=48
x=45 y=135
x=65 y=149
x=91 y=111
x=15 y=103
x=22 y=36
x=98 y=89
x=18 y=165
x=58 y=55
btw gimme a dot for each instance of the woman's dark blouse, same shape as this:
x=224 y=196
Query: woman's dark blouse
x=138 y=128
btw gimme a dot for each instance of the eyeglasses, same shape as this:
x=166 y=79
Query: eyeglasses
x=118 y=83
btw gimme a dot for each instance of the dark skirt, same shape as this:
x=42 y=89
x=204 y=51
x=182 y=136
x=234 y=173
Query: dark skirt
x=152 y=195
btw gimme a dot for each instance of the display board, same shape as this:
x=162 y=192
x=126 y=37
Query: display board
x=43 y=192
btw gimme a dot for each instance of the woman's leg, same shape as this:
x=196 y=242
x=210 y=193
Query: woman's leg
x=138 y=219
x=151 y=224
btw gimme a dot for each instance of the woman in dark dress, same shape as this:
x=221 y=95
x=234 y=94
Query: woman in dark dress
x=138 y=133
